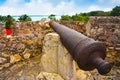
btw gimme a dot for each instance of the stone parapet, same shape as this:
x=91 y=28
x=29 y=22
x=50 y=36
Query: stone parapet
x=25 y=43
x=107 y=30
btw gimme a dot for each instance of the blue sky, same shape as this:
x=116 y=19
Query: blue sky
x=58 y=7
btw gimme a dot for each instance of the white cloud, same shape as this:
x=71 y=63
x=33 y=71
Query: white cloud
x=45 y=7
x=110 y=1
x=39 y=7
x=115 y=1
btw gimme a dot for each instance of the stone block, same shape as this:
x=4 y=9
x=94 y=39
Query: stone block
x=2 y=60
x=49 y=76
x=26 y=55
x=66 y=67
x=81 y=75
x=26 y=31
x=56 y=58
x=15 y=58
x=49 y=59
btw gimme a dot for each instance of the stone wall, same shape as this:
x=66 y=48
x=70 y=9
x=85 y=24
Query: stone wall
x=76 y=25
x=29 y=40
x=26 y=42
x=106 y=29
x=2 y=30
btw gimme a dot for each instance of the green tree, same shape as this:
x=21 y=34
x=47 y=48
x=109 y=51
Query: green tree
x=52 y=17
x=3 y=19
x=9 y=22
x=85 y=18
x=79 y=17
x=76 y=17
x=115 y=11
x=66 y=18
x=97 y=13
x=84 y=14
x=24 y=18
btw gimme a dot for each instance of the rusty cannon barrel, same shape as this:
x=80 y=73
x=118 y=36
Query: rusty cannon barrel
x=88 y=53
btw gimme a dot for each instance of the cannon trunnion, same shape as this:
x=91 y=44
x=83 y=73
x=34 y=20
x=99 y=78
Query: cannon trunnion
x=88 y=53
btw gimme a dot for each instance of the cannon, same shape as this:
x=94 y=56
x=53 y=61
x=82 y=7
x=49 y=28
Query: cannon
x=88 y=53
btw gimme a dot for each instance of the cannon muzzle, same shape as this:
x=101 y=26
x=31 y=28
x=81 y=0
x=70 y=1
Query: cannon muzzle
x=88 y=53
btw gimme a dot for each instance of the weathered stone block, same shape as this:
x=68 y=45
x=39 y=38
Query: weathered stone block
x=26 y=55
x=15 y=58
x=49 y=76
x=81 y=75
x=2 y=60
x=56 y=58
x=49 y=59
x=26 y=31
x=66 y=67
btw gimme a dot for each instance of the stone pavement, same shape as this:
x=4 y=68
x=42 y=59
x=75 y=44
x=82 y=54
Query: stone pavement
x=27 y=70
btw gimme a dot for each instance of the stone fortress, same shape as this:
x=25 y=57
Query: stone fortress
x=32 y=51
